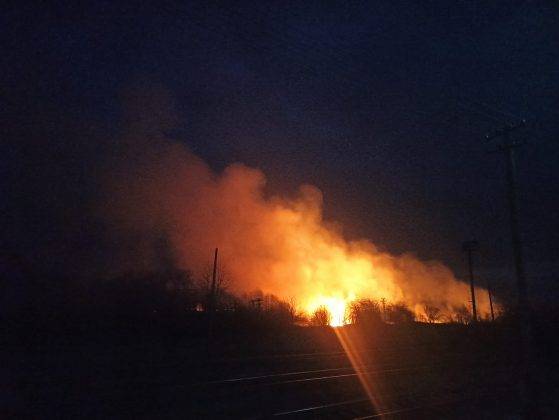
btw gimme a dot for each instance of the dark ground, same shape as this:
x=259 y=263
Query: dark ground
x=416 y=371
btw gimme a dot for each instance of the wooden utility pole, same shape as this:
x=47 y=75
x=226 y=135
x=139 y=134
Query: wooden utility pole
x=490 y=300
x=508 y=146
x=212 y=303
x=469 y=248
x=214 y=282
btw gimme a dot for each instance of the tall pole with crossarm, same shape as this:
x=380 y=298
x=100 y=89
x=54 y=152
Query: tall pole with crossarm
x=469 y=247
x=508 y=146
x=212 y=303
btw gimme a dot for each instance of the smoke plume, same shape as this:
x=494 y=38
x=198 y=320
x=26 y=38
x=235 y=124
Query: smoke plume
x=275 y=244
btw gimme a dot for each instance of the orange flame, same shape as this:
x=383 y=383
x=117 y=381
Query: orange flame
x=337 y=308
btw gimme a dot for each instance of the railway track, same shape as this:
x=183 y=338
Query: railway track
x=402 y=382
x=338 y=392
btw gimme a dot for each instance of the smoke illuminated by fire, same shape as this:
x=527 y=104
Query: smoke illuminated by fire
x=277 y=245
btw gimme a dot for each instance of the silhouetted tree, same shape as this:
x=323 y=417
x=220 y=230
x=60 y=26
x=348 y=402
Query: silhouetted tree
x=399 y=313
x=321 y=317
x=365 y=311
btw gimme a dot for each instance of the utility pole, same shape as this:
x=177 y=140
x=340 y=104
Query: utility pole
x=214 y=282
x=212 y=306
x=508 y=146
x=490 y=300
x=469 y=248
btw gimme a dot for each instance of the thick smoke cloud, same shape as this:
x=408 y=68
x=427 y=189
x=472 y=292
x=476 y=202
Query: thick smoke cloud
x=158 y=189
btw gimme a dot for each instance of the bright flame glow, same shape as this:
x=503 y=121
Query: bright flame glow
x=337 y=308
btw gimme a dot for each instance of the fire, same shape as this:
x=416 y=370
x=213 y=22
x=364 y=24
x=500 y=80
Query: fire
x=337 y=308
x=278 y=245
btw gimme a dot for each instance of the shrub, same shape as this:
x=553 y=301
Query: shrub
x=365 y=311
x=321 y=317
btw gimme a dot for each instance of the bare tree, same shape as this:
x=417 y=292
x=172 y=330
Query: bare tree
x=321 y=317
x=180 y=285
x=399 y=313
x=296 y=313
x=365 y=311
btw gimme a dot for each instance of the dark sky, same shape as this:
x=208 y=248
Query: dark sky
x=382 y=105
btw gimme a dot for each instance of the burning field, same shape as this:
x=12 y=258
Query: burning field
x=277 y=245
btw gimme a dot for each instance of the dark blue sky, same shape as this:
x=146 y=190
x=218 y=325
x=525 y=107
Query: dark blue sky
x=383 y=105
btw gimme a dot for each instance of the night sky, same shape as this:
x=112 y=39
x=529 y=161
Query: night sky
x=382 y=105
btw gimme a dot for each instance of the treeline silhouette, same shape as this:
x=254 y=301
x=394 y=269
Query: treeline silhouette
x=169 y=303
x=172 y=304
x=59 y=332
